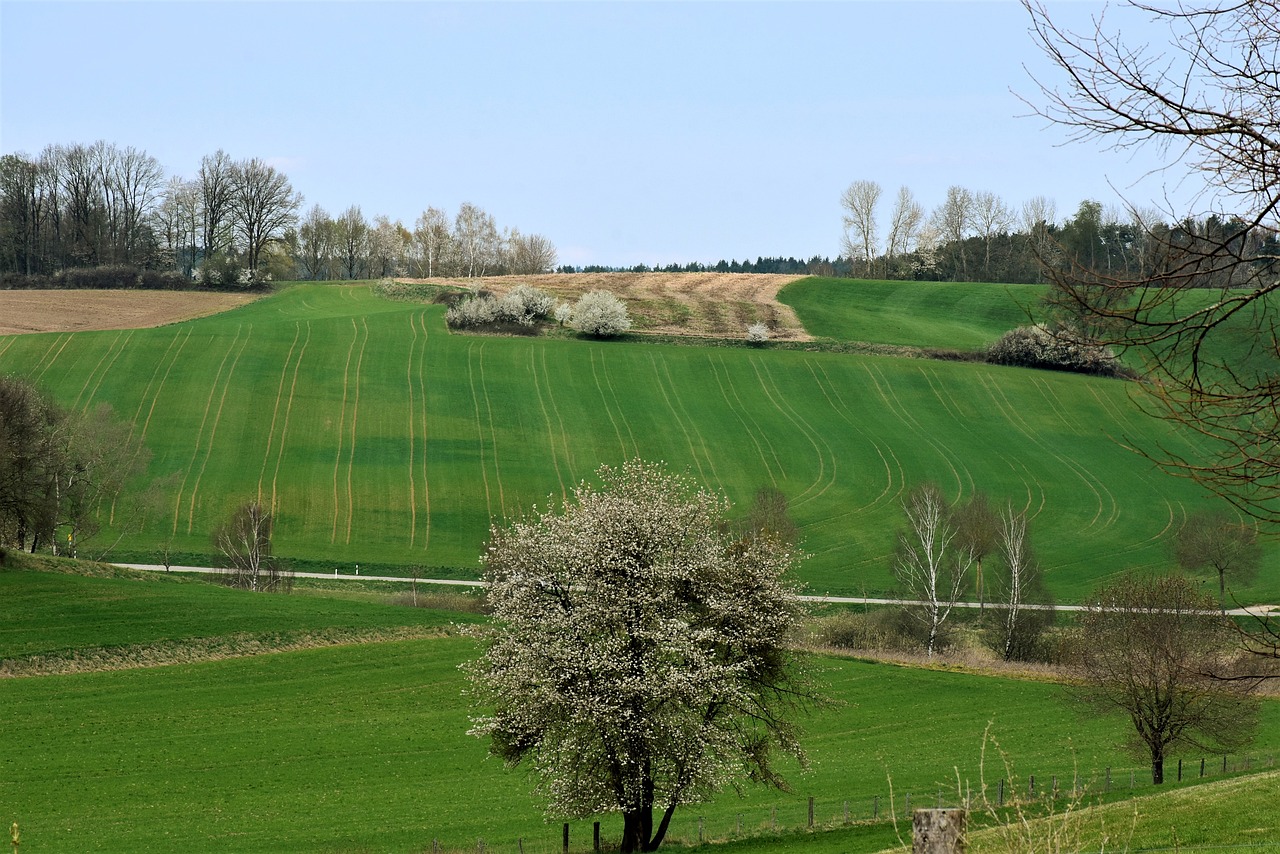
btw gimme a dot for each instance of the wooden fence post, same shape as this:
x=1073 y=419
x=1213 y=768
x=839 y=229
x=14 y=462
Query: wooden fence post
x=811 y=812
x=595 y=833
x=875 y=807
x=1001 y=792
x=566 y=837
x=938 y=832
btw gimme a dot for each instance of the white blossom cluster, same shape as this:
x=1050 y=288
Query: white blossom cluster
x=1040 y=346
x=523 y=304
x=600 y=313
x=638 y=653
x=757 y=333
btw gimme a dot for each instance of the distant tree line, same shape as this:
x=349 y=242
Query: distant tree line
x=977 y=236
x=815 y=266
x=102 y=215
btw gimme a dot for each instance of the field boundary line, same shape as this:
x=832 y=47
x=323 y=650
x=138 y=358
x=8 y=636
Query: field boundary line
x=275 y=410
x=195 y=451
x=737 y=413
x=551 y=439
x=213 y=431
x=355 y=418
x=342 y=427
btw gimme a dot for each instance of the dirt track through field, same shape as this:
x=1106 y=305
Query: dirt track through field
x=82 y=310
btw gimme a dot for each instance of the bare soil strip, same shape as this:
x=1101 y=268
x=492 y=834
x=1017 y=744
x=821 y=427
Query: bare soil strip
x=24 y=312
x=717 y=305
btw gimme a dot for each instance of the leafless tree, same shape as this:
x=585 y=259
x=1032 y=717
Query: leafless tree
x=859 y=201
x=978 y=531
x=953 y=221
x=1213 y=540
x=991 y=218
x=215 y=181
x=263 y=205
x=388 y=244
x=1017 y=584
x=1208 y=101
x=528 y=254
x=245 y=540
x=930 y=565
x=1153 y=649
x=432 y=239
x=177 y=222
x=904 y=224
x=476 y=237
x=317 y=243
x=352 y=231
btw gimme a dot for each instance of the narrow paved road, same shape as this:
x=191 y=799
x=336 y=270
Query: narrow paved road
x=1251 y=611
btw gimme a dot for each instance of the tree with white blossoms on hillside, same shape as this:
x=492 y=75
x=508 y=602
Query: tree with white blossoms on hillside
x=639 y=655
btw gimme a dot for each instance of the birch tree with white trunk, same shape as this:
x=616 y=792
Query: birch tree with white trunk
x=930 y=566
x=859 y=201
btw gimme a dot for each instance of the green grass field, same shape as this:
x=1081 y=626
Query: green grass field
x=379 y=437
x=918 y=314
x=363 y=748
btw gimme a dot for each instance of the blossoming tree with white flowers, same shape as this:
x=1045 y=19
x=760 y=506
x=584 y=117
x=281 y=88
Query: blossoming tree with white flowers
x=639 y=654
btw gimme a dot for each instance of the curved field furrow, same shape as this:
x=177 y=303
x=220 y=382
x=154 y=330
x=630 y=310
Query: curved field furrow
x=818 y=443
x=475 y=402
x=837 y=404
x=60 y=343
x=275 y=411
x=99 y=372
x=493 y=434
x=692 y=421
x=422 y=397
x=146 y=391
x=195 y=451
x=355 y=418
x=546 y=417
x=817 y=451
x=342 y=429
x=555 y=409
x=905 y=415
x=750 y=429
x=213 y=430
x=288 y=412
x=743 y=407
x=6 y=344
x=1050 y=396
x=661 y=386
x=608 y=409
x=1016 y=420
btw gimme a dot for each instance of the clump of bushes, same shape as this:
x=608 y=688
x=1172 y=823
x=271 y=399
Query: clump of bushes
x=522 y=306
x=1060 y=349
x=601 y=314
x=881 y=630
x=757 y=334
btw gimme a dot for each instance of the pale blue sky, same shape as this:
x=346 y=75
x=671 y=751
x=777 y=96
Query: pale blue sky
x=625 y=132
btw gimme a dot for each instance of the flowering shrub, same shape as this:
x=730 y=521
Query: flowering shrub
x=1039 y=346
x=600 y=313
x=757 y=333
x=523 y=305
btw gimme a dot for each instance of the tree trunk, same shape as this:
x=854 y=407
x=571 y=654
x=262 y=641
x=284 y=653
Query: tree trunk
x=637 y=828
x=1157 y=767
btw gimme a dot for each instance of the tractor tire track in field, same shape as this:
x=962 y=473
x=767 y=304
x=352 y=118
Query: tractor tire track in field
x=200 y=433
x=1066 y=417
x=52 y=358
x=635 y=449
x=661 y=386
x=1014 y=417
x=775 y=396
x=342 y=429
x=693 y=423
x=836 y=401
x=903 y=413
x=414 y=344
x=114 y=349
x=355 y=419
x=555 y=409
x=475 y=403
x=288 y=411
x=546 y=417
x=7 y=344
x=422 y=404
x=493 y=433
x=753 y=431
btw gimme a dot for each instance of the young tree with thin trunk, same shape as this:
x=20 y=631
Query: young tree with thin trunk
x=931 y=565
x=904 y=224
x=1153 y=649
x=978 y=532
x=1018 y=585
x=245 y=541
x=640 y=655
x=1212 y=540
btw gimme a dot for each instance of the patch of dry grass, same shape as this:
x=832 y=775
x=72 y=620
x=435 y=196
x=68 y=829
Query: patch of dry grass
x=715 y=305
x=83 y=310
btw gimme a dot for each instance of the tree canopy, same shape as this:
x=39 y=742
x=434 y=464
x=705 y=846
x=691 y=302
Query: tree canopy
x=639 y=654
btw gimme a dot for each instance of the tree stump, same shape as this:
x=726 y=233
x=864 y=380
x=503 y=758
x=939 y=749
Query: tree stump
x=938 y=832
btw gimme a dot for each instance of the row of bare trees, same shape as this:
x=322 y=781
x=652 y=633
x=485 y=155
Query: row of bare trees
x=235 y=222
x=349 y=246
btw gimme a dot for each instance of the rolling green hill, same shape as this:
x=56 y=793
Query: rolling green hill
x=378 y=436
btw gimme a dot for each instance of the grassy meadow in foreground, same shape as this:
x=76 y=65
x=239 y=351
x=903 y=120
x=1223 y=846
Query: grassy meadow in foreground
x=364 y=747
x=378 y=436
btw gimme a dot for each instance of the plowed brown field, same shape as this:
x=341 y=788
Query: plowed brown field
x=76 y=311
x=720 y=305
